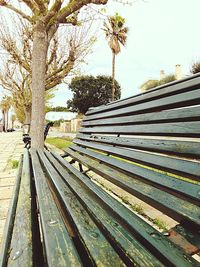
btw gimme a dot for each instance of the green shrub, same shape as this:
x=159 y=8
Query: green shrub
x=167 y=79
x=13 y=163
x=195 y=67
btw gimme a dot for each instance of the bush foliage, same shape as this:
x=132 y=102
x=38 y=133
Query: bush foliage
x=90 y=91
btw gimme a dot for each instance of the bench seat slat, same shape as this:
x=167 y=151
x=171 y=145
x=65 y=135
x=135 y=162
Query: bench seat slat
x=183 y=114
x=59 y=247
x=163 y=162
x=21 y=249
x=87 y=230
x=140 y=229
x=189 y=148
x=176 y=208
x=170 y=102
x=171 y=129
x=188 y=84
x=8 y=228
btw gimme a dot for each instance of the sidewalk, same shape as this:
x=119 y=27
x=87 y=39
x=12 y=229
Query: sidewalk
x=11 y=147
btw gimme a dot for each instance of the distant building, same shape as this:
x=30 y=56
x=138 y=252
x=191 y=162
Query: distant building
x=152 y=83
x=178 y=72
x=162 y=74
x=71 y=126
x=60 y=115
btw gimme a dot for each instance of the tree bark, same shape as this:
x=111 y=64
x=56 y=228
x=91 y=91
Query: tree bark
x=113 y=76
x=4 y=122
x=39 y=55
x=27 y=112
x=7 y=118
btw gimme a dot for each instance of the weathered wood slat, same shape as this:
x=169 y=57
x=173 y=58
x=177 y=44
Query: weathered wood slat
x=21 y=249
x=189 y=148
x=148 y=175
x=149 y=237
x=176 y=208
x=59 y=247
x=188 y=84
x=172 y=129
x=170 y=102
x=147 y=146
x=88 y=231
x=8 y=228
x=183 y=114
x=163 y=162
x=191 y=237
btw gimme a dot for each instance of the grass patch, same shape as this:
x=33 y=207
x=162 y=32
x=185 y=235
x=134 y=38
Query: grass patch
x=139 y=209
x=160 y=223
x=59 y=142
x=136 y=207
x=13 y=163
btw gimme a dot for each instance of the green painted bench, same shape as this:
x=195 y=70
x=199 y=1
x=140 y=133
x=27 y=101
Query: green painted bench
x=69 y=210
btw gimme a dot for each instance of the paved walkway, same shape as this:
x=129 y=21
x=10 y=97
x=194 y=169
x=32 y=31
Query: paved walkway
x=11 y=147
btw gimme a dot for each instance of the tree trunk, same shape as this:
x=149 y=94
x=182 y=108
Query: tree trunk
x=39 y=55
x=4 y=122
x=27 y=112
x=7 y=120
x=113 y=76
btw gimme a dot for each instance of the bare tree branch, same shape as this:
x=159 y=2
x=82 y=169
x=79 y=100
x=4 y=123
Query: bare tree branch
x=72 y=7
x=19 y=12
x=31 y=4
x=41 y=6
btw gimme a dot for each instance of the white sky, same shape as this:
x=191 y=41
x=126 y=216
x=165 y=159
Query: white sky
x=162 y=33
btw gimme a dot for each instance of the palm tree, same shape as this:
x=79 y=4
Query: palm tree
x=116 y=34
x=13 y=119
x=5 y=106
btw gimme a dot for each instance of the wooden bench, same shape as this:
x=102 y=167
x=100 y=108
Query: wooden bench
x=27 y=138
x=67 y=211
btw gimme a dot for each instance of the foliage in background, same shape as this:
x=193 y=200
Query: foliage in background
x=67 y=51
x=154 y=83
x=5 y=105
x=116 y=34
x=90 y=91
x=56 y=123
x=167 y=79
x=58 y=109
x=195 y=68
x=149 y=85
x=13 y=119
x=22 y=106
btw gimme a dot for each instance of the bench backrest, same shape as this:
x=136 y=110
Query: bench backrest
x=149 y=145
x=46 y=129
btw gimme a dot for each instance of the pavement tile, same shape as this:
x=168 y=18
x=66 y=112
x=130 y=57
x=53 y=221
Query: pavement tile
x=11 y=147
